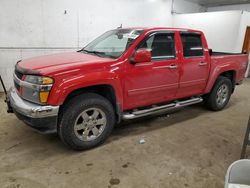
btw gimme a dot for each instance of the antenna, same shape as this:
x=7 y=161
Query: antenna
x=119 y=27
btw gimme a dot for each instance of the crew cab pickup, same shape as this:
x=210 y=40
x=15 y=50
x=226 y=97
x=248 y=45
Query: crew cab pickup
x=124 y=74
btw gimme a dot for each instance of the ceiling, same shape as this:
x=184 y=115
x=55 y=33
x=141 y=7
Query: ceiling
x=212 y=3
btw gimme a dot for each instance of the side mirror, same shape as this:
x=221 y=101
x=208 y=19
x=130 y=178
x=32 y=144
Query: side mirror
x=142 y=55
x=210 y=51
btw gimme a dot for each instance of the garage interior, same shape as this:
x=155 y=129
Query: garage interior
x=190 y=147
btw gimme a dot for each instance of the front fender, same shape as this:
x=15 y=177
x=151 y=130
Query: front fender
x=64 y=86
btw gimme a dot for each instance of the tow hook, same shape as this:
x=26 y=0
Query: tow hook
x=7 y=101
x=9 y=108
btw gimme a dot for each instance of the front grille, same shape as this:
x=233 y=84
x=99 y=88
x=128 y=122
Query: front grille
x=18 y=74
x=17 y=86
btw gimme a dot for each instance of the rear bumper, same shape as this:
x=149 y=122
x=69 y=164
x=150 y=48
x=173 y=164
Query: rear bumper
x=41 y=118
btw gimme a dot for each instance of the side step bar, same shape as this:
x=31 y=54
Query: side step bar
x=160 y=109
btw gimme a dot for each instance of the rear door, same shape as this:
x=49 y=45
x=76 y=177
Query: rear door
x=194 y=64
x=156 y=81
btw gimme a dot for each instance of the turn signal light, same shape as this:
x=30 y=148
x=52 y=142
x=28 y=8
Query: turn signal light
x=44 y=96
x=47 y=80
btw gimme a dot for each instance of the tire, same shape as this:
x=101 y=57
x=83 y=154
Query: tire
x=86 y=121
x=218 y=98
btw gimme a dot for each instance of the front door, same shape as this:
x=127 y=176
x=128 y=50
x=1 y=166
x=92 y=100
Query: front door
x=156 y=81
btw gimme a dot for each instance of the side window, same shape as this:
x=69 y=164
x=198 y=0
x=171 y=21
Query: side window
x=192 y=44
x=162 y=46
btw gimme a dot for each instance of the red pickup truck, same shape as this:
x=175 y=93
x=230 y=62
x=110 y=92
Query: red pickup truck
x=124 y=74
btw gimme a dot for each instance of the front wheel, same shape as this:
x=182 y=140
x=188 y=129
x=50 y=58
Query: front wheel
x=87 y=120
x=220 y=94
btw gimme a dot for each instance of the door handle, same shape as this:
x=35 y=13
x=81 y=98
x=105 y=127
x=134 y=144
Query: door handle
x=173 y=66
x=202 y=63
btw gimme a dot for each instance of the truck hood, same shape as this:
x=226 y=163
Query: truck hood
x=55 y=62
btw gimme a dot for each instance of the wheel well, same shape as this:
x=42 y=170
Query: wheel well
x=106 y=91
x=230 y=75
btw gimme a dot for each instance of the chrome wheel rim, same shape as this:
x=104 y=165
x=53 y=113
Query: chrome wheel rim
x=90 y=124
x=222 y=94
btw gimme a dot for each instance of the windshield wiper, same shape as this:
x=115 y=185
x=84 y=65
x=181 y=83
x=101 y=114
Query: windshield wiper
x=93 y=52
x=98 y=53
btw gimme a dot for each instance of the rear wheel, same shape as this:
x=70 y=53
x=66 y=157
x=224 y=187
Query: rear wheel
x=220 y=94
x=87 y=120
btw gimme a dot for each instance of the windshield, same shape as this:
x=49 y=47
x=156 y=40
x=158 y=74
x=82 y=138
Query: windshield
x=112 y=43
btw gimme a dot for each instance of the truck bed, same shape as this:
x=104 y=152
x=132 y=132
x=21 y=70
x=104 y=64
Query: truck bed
x=225 y=53
x=236 y=60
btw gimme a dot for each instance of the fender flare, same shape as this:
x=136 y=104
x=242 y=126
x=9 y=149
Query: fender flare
x=217 y=72
x=75 y=82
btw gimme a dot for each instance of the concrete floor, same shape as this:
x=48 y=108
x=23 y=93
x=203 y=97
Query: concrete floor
x=190 y=148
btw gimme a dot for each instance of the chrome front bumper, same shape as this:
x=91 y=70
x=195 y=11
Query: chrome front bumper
x=42 y=118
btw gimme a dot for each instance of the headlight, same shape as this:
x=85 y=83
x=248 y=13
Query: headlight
x=36 y=88
x=41 y=80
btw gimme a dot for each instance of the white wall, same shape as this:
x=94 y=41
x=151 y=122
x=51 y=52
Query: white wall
x=43 y=23
x=221 y=28
x=30 y=28
x=224 y=30
x=244 y=22
x=245 y=7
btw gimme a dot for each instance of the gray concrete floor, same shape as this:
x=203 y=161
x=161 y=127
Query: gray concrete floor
x=189 y=148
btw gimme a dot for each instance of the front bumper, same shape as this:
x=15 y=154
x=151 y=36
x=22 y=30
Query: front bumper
x=41 y=118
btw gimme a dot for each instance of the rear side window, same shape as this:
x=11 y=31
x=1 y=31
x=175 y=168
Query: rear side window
x=162 y=46
x=192 y=44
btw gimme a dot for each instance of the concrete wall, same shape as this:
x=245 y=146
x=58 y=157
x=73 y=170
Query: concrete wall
x=220 y=28
x=30 y=28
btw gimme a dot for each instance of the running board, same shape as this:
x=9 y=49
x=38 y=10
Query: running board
x=160 y=109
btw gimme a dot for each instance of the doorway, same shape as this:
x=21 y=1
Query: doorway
x=246 y=47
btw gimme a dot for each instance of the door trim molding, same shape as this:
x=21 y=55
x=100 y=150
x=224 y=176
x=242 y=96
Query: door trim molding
x=139 y=91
